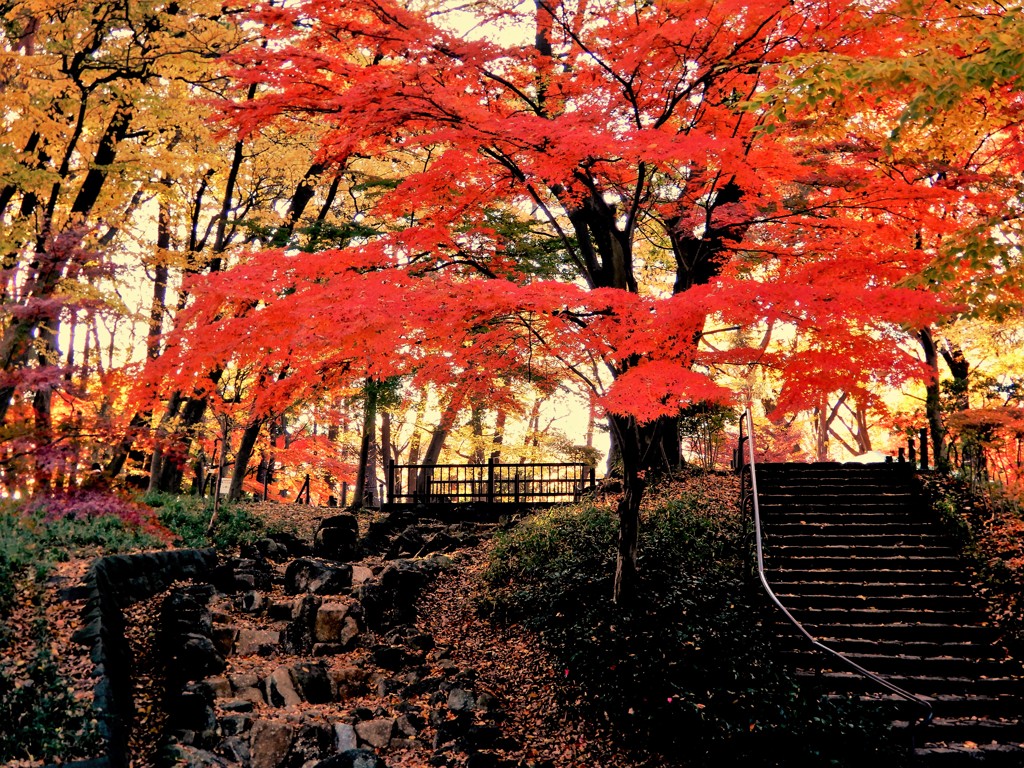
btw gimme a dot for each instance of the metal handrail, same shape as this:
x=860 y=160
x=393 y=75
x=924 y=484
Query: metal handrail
x=892 y=687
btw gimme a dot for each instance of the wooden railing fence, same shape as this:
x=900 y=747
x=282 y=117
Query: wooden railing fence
x=492 y=483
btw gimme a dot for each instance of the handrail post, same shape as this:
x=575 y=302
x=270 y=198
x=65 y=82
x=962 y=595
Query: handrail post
x=391 y=481
x=924 y=449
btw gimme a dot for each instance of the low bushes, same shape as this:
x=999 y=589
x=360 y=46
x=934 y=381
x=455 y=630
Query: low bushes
x=687 y=670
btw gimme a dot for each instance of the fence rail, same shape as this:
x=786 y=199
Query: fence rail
x=493 y=483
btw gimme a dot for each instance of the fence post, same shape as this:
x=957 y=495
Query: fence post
x=344 y=494
x=593 y=479
x=391 y=481
x=911 y=452
x=924 y=448
x=515 y=487
x=490 y=479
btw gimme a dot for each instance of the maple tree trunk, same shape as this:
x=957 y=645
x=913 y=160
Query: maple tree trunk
x=367 y=455
x=476 y=421
x=499 y=434
x=629 y=437
x=242 y=457
x=437 y=439
x=385 y=442
x=414 y=443
x=932 y=401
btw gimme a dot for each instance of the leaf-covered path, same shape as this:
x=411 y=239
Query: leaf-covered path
x=510 y=664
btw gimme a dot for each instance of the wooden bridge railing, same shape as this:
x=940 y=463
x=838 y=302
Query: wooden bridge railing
x=493 y=483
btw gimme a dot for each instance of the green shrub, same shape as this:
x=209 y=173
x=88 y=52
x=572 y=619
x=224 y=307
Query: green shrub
x=41 y=718
x=188 y=518
x=688 y=667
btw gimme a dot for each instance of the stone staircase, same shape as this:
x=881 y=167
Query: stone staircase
x=855 y=555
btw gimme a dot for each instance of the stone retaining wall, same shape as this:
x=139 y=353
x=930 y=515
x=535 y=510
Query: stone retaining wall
x=113 y=583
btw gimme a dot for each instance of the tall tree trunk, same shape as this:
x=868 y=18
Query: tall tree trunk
x=476 y=422
x=414 y=443
x=242 y=457
x=366 y=475
x=499 y=433
x=629 y=437
x=385 y=443
x=437 y=439
x=932 y=402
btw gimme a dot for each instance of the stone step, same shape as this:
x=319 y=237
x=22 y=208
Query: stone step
x=858 y=516
x=913 y=631
x=834 y=524
x=981 y=730
x=881 y=588
x=826 y=616
x=955 y=755
x=844 y=563
x=921 y=685
x=878 y=576
x=945 y=705
x=965 y=650
x=903 y=664
x=931 y=602
x=836 y=537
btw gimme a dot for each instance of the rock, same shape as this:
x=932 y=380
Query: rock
x=235 y=748
x=218 y=686
x=244 y=680
x=312 y=682
x=269 y=743
x=252 y=602
x=376 y=733
x=190 y=757
x=345 y=737
x=481 y=737
x=233 y=725
x=360 y=573
x=237 y=705
x=388 y=685
x=460 y=700
x=254 y=694
x=390 y=598
x=224 y=639
x=352 y=758
x=349 y=682
x=257 y=642
x=405 y=724
x=392 y=657
x=316 y=577
x=337 y=622
x=280 y=610
x=337 y=538
x=483 y=760
x=281 y=690
x=198 y=658
x=298 y=635
x=312 y=741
